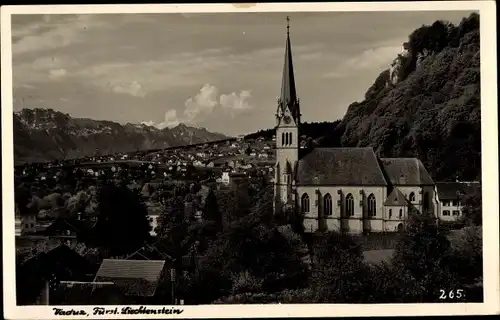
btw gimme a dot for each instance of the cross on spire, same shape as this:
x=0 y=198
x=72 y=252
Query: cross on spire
x=288 y=24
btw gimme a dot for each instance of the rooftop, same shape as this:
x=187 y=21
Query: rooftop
x=133 y=277
x=406 y=171
x=340 y=166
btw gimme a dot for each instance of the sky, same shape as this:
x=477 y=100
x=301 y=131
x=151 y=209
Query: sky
x=218 y=71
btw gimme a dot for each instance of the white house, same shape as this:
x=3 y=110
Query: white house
x=451 y=196
x=24 y=223
x=225 y=177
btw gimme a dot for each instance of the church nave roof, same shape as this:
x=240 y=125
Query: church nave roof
x=340 y=166
x=406 y=171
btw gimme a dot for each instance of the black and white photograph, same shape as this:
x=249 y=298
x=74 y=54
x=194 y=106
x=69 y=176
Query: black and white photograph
x=155 y=160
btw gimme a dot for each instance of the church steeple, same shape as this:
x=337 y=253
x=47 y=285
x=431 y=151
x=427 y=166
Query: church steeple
x=287 y=133
x=288 y=96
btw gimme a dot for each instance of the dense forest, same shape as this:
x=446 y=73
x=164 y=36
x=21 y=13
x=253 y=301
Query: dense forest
x=312 y=130
x=433 y=112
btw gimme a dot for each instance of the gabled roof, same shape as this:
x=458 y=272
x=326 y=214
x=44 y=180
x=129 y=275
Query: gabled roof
x=150 y=252
x=133 y=277
x=455 y=190
x=396 y=198
x=406 y=171
x=75 y=225
x=86 y=293
x=340 y=166
x=61 y=260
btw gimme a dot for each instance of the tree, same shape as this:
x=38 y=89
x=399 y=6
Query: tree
x=234 y=203
x=472 y=210
x=465 y=257
x=211 y=210
x=249 y=254
x=419 y=258
x=123 y=225
x=172 y=226
x=339 y=274
x=78 y=203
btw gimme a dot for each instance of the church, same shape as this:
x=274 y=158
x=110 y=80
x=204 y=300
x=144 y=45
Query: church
x=348 y=190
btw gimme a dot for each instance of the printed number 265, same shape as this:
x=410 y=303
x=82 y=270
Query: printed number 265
x=452 y=294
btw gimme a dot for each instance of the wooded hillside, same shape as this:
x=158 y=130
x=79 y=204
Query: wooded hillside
x=433 y=112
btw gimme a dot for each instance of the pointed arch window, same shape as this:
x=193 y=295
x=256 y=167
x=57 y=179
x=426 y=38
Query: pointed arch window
x=327 y=205
x=290 y=140
x=426 y=201
x=372 y=206
x=400 y=213
x=283 y=141
x=304 y=203
x=412 y=197
x=390 y=213
x=349 y=205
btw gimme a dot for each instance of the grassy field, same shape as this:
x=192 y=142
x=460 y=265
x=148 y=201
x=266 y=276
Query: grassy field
x=377 y=256
x=377 y=241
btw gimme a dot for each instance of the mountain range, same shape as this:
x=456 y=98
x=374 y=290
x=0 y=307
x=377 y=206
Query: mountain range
x=45 y=135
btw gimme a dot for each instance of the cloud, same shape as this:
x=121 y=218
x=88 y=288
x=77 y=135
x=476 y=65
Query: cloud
x=57 y=73
x=50 y=33
x=172 y=71
x=205 y=103
x=52 y=62
x=235 y=101
x=373 y=57
x=133 y=88
x=170 y=120
x=370 y=59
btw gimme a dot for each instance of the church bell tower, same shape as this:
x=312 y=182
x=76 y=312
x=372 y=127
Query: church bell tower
x=287 y=133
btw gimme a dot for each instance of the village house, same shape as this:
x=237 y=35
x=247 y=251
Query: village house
x=69 y=231
x=75 y=293
x=451 y=196
x=25 y=221
x=39 y=276
x=225 y=177
x=138 y=280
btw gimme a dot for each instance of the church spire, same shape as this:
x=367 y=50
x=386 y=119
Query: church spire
x=288 y=92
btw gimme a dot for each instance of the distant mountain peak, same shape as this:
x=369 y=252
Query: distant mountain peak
x=46 y=134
